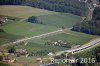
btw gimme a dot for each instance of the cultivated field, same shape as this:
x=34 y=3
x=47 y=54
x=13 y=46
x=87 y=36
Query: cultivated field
x=47 y=17
x=23 y=11
x=27 y=29
x=52 y=21
x=6 y=37
x=74 y=38
x=60 y=20
x=15 y=30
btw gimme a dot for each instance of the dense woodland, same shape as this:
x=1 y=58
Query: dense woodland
x=68 y=6
x=90 y=27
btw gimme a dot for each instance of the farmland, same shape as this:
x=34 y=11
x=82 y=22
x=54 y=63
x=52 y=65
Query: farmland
x=38 y=47
x=6 y=37
x=27 y=29
x=51 y=21
x=60 y=20
x=23 y=11
x=21 y=28
x=47 y=17
x=15 y=30
x=74 y=37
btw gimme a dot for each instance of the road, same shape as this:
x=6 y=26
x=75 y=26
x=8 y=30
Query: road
x=29 y=38
x=25 y=39
x=87 y=46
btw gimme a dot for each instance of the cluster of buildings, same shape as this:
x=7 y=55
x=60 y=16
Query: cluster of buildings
x=10 y=57
x=20 y=52
x=9 y=60
x=94 y=2
x=3 y=19
x=56 y=43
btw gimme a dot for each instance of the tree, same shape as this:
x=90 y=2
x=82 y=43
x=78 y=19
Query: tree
x=2 y=21
x=33 y=19
x=63 y=27
x=1 y=58
x=11 y=49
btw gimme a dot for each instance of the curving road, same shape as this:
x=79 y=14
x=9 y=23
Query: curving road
x=87 y=46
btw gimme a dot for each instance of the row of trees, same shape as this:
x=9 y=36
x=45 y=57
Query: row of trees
x=69 y=6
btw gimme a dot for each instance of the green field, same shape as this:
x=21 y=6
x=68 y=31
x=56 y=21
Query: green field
x=46 y=17
x=22 y=11
x=35 y=47
x=15 y=30
x=6 y=38
x=60 y=20
x=51 y=21
x=3 y=64
x=27 y=29
x=20 y=28
x=74 y=37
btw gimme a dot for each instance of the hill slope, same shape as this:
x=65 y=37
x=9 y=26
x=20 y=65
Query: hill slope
x=51 y=21
x=22 y=11
x=90 y=27
x=69 y=6
x=46 y=17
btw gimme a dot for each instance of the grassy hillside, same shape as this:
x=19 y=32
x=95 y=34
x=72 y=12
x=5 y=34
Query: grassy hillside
x=51 y=22
x=46 y=17
x=27 y=29
x=21 y=29
x=17 y=30
x=73 y=6
x=60 y=20
x=22 y=11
